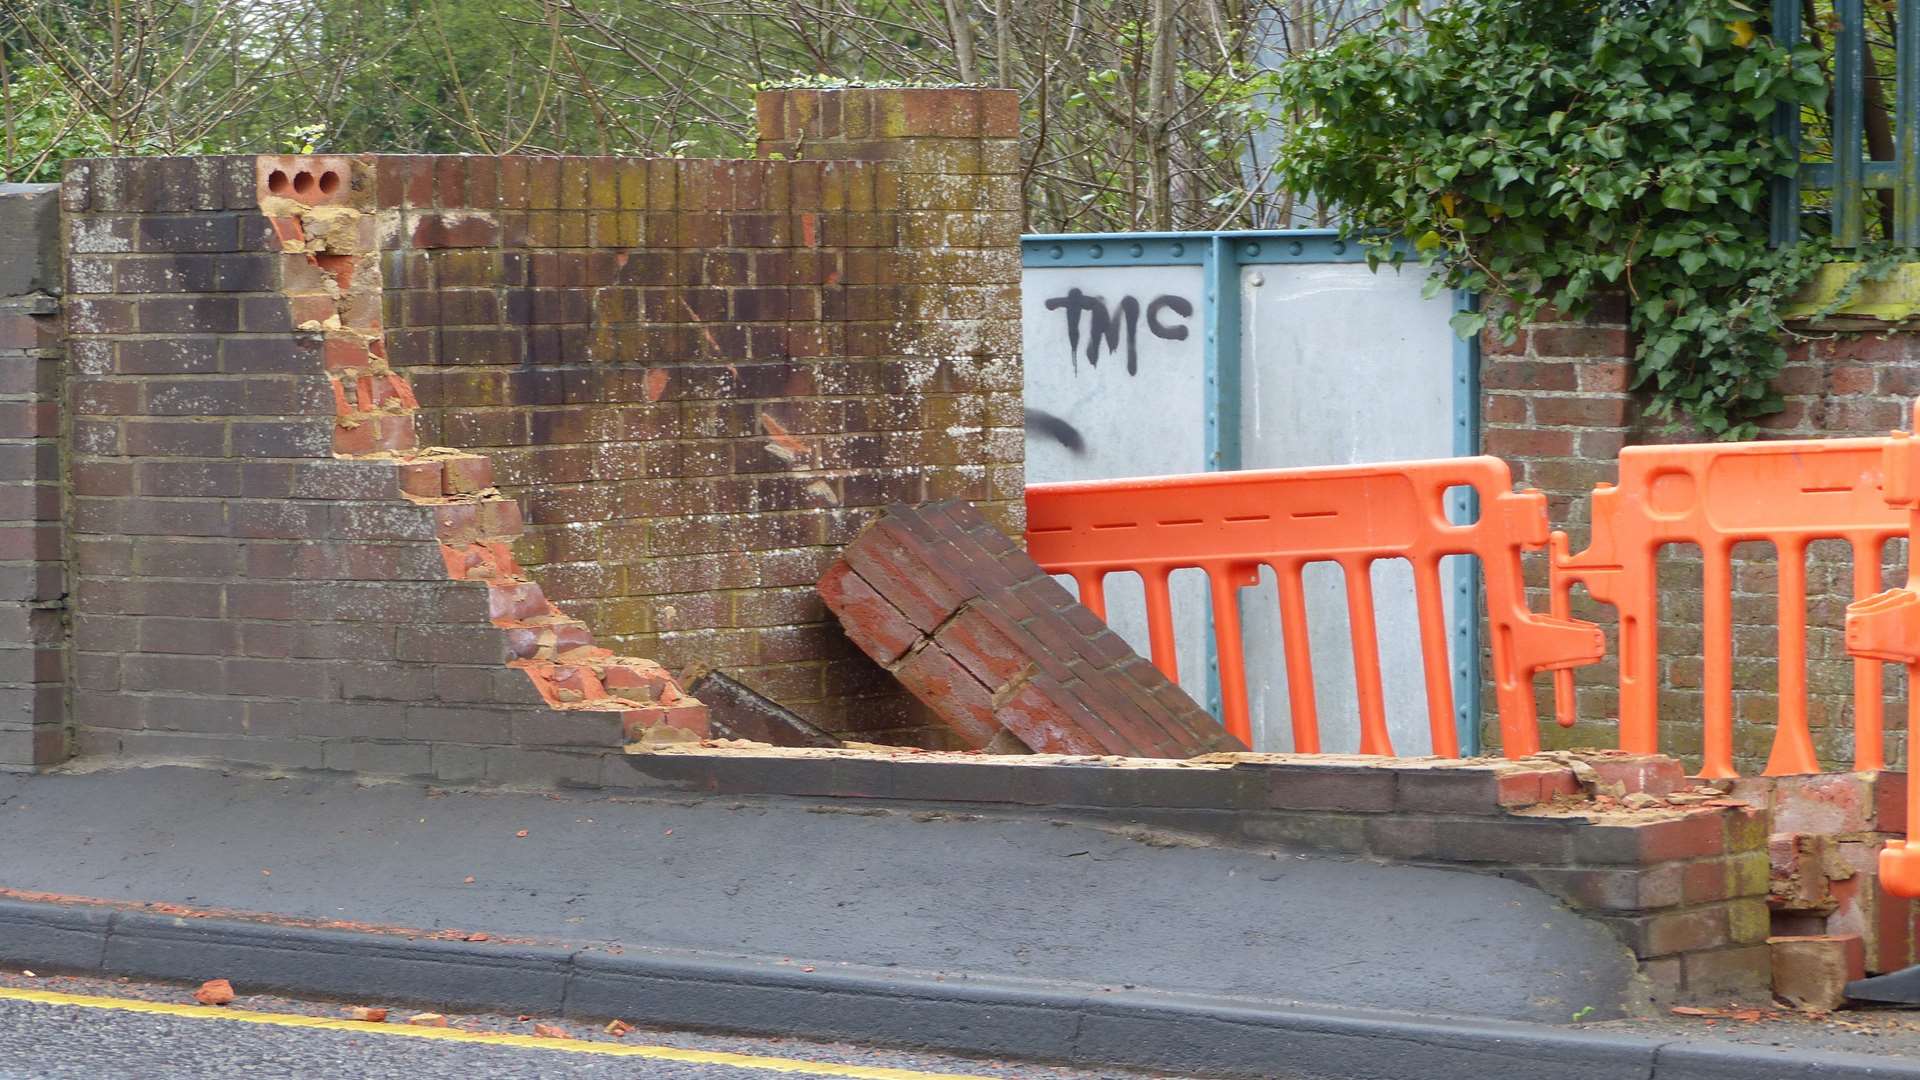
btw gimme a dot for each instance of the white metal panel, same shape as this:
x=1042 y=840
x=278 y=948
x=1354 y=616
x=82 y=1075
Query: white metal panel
x=1340 y=366
x=1115 y=363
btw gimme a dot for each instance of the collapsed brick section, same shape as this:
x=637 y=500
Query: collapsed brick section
x=984 y=637
x=1832 y=919
x=269 y=568
x=32 y=570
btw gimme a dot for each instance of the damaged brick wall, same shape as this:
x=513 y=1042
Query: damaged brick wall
x=333 y=417
x=700 y=378
x=1830 y=912
x=257 y=579
x=1556 y=405
x=32 y=570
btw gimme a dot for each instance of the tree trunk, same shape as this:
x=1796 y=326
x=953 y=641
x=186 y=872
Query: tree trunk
x=961 y=28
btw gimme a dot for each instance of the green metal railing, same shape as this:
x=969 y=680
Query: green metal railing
x=1852 y=172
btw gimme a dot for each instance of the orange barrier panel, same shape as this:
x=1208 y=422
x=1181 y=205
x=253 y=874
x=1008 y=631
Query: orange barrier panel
x=1886 y=627
x=1717 y=495
x=1231 y=524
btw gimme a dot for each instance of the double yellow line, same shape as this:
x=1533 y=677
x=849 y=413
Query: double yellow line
x=533 y=1042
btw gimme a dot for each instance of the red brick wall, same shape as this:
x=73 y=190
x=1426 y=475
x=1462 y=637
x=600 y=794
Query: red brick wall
x=701 y=377
x=32 y=572
x=689 y=397
x=1556 y=404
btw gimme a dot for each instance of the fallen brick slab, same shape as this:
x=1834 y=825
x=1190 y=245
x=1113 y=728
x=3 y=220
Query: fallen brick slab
x=735 y=711
x=987 y=640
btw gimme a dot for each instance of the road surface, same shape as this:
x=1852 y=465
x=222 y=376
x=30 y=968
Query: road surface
x=94 y=1029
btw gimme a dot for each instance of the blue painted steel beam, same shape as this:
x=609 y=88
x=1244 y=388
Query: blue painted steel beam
x=1464 y=634
x=1247 y=248
x=1873 y=174
x=1222 y=365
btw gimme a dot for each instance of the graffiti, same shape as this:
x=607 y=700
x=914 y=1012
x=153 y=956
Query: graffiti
x=1105 y=326
x=1046 y=425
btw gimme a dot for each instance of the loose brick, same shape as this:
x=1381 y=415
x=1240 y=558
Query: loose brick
x=1812 y=972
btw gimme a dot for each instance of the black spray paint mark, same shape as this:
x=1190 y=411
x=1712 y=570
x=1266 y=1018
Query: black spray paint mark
x=1043 y=423
x=1104 y=325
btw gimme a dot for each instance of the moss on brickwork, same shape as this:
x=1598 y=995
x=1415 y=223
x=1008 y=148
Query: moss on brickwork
x=1893 y=298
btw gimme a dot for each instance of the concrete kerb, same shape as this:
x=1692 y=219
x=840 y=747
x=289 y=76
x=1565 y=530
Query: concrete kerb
x=1081 y=1025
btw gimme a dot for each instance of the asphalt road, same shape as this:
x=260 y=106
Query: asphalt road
x=49 y=1041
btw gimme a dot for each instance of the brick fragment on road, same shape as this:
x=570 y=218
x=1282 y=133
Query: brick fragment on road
x=214 y=992
x=427 y=1020
x=370 y=1015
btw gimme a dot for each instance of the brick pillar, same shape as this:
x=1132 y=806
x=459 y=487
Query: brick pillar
x=1556 y=404
x=32 y=564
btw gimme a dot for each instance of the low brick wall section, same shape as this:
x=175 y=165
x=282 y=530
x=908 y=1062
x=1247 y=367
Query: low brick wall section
x=997 y=648
x=33 y=582
x=1681 y=876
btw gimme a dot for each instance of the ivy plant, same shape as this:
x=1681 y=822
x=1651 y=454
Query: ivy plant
x=1547 y=151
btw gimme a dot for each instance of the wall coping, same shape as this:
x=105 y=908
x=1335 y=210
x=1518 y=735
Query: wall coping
x=1883 y=304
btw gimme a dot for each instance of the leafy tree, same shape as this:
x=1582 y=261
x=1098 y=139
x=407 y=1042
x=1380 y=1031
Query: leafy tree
x=1544 y=151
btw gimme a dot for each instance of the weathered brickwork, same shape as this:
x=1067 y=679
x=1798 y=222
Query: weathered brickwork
x=32 y=571
x=700 y=378
x=1556 y=405
x=998 y=649
x=332 y=417
x=267 y=569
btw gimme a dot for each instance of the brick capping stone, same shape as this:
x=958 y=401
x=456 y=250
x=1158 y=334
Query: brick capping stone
x=997 y=648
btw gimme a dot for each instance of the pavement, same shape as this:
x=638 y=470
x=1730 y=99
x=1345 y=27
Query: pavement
x=1008 y=934
x=801 y=884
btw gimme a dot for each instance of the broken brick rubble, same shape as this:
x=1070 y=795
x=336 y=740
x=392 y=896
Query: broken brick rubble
x=990 y=643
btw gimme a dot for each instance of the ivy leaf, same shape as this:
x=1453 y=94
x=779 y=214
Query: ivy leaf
x=1467 y=323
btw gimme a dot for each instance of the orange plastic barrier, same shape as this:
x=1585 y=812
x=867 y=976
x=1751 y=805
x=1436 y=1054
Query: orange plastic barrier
x=1886 y=627
x=1231 y=524
x=1717 y=495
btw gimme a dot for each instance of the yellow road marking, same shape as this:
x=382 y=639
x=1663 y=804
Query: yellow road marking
x=572 y=1046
